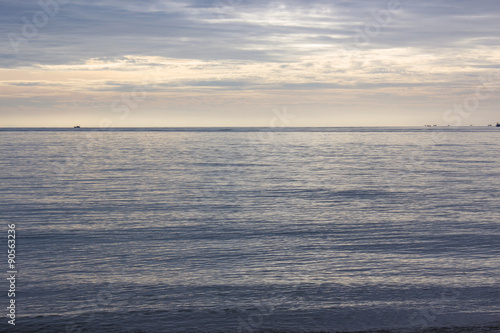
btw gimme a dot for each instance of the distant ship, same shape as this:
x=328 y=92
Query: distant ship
x=498 y=124
x=76 y=126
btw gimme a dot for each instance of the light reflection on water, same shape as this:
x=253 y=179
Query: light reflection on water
x=196 y=227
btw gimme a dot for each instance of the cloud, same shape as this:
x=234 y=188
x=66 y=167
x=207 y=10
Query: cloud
x=33 y=84
x=258 y=31
x=257 y=50
x=24 y=84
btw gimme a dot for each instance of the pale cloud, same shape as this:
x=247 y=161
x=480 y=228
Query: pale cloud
x=226 y=59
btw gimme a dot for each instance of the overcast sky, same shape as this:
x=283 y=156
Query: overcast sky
x=239 y=63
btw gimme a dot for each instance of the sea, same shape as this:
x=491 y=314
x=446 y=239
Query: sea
x=252 y=229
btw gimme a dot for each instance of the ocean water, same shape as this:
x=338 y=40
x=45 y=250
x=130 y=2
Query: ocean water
x=252 y=230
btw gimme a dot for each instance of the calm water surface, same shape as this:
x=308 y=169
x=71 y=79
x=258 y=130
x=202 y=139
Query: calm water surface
x=248 y=230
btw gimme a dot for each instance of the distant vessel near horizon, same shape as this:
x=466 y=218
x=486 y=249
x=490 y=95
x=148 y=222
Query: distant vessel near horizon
x=498 y=124
x=76 y=126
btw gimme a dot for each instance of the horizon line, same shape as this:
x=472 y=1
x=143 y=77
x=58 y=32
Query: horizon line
x=269 y=127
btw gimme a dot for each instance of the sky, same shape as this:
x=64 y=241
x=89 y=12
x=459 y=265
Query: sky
x=171 y=63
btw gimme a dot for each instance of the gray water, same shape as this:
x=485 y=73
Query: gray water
x=249 y=230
